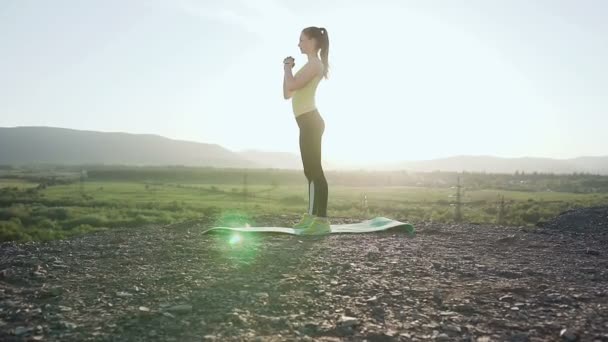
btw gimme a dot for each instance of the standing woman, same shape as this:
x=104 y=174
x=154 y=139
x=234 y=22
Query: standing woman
x=301 y=88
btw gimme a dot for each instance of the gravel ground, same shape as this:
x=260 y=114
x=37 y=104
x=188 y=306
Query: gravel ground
x=451 y=282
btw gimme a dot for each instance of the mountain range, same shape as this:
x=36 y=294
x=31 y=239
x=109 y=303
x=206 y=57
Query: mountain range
x=52 y=145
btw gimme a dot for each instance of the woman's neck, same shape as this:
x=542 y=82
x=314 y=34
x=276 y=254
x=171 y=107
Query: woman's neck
x=313 y=57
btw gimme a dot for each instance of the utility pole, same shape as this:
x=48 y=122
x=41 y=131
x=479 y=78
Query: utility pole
x=501 y=210
x=458 y=204
x=364 y=206
x=245 y=187
x=83 y=176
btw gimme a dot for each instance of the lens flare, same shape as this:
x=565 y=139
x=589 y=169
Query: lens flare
x=234 y=218
x=235 y=239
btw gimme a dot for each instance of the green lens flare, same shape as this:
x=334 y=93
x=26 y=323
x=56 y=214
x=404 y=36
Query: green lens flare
x=239 y=248
x=235 y=239
x=234 y=218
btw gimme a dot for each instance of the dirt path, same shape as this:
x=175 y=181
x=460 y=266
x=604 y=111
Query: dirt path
x=450 y=282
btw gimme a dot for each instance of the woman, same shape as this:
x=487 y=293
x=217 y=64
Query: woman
x=301 y=88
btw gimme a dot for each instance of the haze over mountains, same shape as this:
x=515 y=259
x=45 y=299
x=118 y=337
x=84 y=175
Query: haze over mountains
x=51 y=145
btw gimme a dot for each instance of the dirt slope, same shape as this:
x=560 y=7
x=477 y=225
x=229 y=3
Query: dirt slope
x=450 y=282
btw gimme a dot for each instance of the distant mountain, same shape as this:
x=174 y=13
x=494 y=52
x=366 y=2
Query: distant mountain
x=278 y=160
x=50 y=145
x=490 y=164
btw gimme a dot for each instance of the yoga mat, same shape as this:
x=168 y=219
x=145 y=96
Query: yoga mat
x=376 y=224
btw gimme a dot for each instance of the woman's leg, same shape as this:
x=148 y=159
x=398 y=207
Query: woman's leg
x=319 y=181
x=305 y=130
x=312 y=127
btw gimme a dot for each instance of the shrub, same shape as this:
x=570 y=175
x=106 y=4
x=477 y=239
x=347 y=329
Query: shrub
x=56 y=213
x=531 y=216
x=18 y=210
x=13 y=231
x=91 y=220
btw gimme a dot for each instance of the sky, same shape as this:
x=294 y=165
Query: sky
x=408 y=80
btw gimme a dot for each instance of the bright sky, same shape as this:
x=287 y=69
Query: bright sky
x=408 y=79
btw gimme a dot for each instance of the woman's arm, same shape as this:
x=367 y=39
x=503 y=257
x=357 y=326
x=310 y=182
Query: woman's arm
x=305 y=75
x=288 y=64
x=286 y=93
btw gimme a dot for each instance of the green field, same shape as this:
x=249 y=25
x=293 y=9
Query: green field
x=16 y=183
x=39 y=207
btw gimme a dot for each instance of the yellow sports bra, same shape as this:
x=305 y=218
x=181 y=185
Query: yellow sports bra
x=303 y=99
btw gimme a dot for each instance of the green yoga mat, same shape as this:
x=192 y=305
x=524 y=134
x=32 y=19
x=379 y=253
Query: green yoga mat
x=368 y=226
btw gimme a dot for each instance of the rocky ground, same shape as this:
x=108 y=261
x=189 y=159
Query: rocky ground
x=449 y=282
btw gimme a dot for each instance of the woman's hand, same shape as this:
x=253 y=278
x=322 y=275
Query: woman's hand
x=289 y=62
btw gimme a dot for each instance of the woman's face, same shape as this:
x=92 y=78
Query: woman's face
x=306 y=44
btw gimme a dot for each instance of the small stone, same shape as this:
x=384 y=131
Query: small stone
x=68 y=325
x=180 y=309
x=123 y=294
x=442 y=337
x=506 y=298
x=466 y=309
x=418 y=316
x=167 y=314
x=450 y=328
x=432 y=325
x=6 y=273
x=568 y=335
x=309 y=328
x=519 y=337
x=238 y=318
x=344 y=330
x=55 y=290
x=144 y=309
x=437 y=297
x=22 y=330
x=391 y=333
x=64 y=308
x=347 y=321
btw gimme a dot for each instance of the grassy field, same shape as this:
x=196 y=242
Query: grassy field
x=39 y=208
x=16 y=183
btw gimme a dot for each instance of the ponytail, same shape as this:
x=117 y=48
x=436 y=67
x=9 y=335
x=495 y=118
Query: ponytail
x=325 y=51
x=322 y=39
